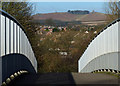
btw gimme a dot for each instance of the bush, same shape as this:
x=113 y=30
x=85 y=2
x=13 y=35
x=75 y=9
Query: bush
x=55 y=30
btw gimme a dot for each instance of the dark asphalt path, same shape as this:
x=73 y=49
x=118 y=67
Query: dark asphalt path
x=55 y=79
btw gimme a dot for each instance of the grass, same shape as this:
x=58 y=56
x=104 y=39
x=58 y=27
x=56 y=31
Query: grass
x=110 y=73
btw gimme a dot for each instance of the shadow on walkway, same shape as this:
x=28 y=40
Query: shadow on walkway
x=43 y=79
x=69 y=79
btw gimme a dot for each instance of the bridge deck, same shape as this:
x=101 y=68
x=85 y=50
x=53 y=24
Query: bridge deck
x=64 y=78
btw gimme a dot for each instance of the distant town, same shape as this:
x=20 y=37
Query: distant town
x=48 y=30
x=56 y=22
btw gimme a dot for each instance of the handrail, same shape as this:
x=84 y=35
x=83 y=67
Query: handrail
x=12 y=18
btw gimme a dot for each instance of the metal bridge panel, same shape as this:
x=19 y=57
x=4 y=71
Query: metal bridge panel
x=13 y=40
x=107 y=61
x=7 y=35
x=106 y=42
x=2 y=35
x=0 y=70
x=11 y=36
x=0 y=51
x=15 y=27
x=21 y=40
x=18 y=39
x=119 y=45
x=24 y=44
x=0 y=32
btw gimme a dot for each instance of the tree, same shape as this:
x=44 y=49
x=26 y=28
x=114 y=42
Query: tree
x=55 y=30
x=22 y=11
x=113 y=10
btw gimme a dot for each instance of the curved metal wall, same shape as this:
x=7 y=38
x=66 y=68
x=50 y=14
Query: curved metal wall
x=106 y=43
x=14 y=40
x=106 y=61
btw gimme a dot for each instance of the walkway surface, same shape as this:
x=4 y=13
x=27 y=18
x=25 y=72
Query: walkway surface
x=81 y=79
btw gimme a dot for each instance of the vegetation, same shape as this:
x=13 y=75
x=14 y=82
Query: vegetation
x=48 y=48
x=113 y=10
x=74 y=42
x=81 y=12
x=110 y=73
x=22 y=11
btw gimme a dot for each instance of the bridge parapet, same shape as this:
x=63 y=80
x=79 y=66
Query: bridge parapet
x=14 y=45
x=103 y=51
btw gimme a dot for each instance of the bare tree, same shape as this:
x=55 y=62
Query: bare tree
x=113 y=10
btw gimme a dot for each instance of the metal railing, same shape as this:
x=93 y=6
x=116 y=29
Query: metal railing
x=13 y=40
x=103 y=50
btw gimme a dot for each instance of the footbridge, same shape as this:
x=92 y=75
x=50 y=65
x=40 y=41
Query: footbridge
x=16 y=53
x=103 y=52
x=18 y=65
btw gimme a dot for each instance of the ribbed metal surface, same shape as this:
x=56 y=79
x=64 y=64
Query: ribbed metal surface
x=13 y=39
x=97 y=52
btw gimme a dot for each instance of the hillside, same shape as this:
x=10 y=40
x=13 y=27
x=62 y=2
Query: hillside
x=70 y=17
x=56 y=16
x=93 y=17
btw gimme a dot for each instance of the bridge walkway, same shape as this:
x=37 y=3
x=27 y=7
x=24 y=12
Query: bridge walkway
x=64 y=78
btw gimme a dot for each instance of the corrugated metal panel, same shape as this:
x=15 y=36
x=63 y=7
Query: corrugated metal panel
x=11 y=37
x=105 y=43
x=7 y=35
x=107 y=61
x=2 y=35
x=14 y=40
x=14 y=37
x=18 y=39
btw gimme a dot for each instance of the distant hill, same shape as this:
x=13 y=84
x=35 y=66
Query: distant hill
x=68 y=17
x=56 y=16
x=93 y=17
